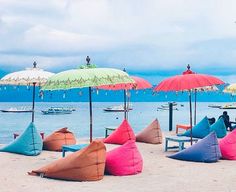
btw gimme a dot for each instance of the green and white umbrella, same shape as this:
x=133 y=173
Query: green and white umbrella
x=87 y=76
x=29 y=77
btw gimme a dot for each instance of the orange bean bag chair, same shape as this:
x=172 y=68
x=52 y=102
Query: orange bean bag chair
x=121 y=135
x=61 y=137
x=151 y=134
x=87 y=164
x=124 y=160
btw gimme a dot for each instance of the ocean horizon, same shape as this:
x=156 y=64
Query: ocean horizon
x=143 y=113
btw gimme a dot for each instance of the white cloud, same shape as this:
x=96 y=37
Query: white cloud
x=145 y=35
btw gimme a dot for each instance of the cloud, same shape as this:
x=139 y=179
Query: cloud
x=149 y=36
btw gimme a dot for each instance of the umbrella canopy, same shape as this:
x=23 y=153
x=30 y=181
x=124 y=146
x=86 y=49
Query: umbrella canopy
x=139 y=83
x=188 y=81
x=30 y=76
x=230 y=88
x=87 y=76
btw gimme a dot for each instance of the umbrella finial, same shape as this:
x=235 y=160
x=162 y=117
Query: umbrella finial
x=188 y=67
x=88 y=60
x=34 y=64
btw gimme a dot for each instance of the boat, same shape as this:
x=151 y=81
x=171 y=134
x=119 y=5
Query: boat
x=17 y=110
x=214 y=106
x=57 y=111
x=229 y=106
x=167 y=104
x=116 y=108
x=166 y=108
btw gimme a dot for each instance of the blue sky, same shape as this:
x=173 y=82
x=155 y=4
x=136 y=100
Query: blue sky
x=153 y=39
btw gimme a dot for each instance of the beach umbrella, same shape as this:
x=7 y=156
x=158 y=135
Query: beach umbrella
x=188 y=81
x=230 y=88
x=87 y=76
x=29 y=77
x=139 y=83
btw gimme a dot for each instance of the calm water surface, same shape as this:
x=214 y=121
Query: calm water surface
x=78 y=122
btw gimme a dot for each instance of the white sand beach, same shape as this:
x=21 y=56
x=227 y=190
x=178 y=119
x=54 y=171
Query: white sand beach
x=159 y=174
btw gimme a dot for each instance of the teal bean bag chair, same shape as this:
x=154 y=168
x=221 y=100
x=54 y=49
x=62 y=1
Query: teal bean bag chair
x=219 y=128
x=28 y=143
x=206 y=150
x=201 y=130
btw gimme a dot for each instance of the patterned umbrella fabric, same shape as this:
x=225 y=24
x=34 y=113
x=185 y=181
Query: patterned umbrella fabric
x=31 y=77
x=87 y=76
x=188 y=81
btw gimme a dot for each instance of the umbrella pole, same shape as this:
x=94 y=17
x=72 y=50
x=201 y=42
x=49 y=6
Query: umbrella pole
x=128 y=105
x=125 y=114
x=195 y=106
x=191 y=123
x=91 y=114
x=33 y=102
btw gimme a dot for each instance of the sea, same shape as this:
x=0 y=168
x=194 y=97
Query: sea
x=143 y=113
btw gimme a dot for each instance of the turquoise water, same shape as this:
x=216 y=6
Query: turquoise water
x=78 y=122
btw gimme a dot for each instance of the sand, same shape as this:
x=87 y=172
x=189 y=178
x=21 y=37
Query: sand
x=159 y=174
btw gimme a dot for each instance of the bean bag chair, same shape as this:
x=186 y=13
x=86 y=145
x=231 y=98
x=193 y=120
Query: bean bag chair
x=87 y=164
x=124 y=160
x=122 y=134
x=201 y=130
x=28 y=143
x=206 y=150
x=219 y=128
x=61 y=137
x=151 y=134
x=228 y=146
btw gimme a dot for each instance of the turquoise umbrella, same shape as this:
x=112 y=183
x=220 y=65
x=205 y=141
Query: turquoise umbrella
x=87 y=76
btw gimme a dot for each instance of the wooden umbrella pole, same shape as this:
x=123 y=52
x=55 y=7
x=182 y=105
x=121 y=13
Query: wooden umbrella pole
x=195 y=106
x=91 y=114
x=33 y=101
x=125 y=114
x=191 y=123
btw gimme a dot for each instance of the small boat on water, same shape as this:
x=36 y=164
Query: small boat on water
x=17 y=110
x=57 y=111
x=116 y=108
x=167 y=104
x=214 y=106
x=229 y=106
x=166 y=108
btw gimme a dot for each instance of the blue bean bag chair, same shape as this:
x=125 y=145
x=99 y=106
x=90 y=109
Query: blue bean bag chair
x=219 y=128
x=201 y=130
x=206 y=150
x=28 y=143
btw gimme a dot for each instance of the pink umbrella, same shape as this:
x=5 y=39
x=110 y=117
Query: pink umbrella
x=140 y=83
x=188 y=81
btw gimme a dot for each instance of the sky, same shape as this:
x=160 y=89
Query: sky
x=153 y=39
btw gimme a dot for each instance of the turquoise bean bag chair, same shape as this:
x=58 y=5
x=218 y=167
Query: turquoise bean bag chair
x=28 y=143
x=219 y=127
x=206 y=150
x=201 y=130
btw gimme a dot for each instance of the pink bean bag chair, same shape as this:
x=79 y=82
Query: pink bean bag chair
x=228 y=146
x=124 y=160
x=151 y=134
x=122 y=134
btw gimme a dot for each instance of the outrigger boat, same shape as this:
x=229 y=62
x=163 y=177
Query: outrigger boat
x=117 y=108
x=16 y=110
x=229 y=106
x=57 y=111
